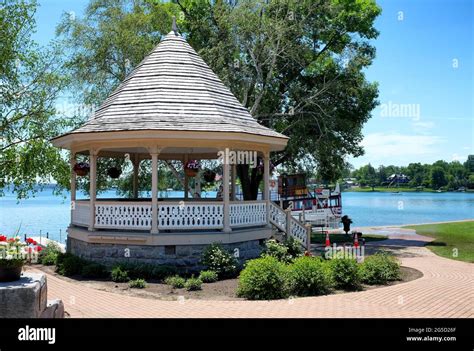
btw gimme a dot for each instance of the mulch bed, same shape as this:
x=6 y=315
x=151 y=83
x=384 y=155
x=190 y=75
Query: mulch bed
x=224 y=290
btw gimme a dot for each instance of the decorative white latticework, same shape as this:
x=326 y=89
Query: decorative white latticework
x=120 y=216
x=190 y=216
x=80 y=213
x=248 y=214
x=298 y=231
x=277 y=217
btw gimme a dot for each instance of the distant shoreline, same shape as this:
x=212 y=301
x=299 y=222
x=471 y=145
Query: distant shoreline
x=404 y=190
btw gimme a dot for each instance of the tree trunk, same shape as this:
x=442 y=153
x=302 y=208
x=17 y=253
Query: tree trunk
x=250 y=181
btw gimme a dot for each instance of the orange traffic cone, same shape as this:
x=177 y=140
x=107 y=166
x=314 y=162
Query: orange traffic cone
x=328 y=243
x=356 y=240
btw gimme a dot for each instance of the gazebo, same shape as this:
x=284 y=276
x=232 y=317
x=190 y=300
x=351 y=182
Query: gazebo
x=172 y=106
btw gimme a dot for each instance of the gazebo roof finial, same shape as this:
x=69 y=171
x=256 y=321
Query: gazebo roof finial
x=174 y=27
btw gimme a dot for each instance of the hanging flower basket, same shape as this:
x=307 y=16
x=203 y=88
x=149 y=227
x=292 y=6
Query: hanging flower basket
x=209 y=176
x=81 y=168
x=14 y=254
x=191 y=168
x=114 y=172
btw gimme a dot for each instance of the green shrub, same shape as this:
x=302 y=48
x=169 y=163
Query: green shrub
x=217 y=259
x=67 y=264
x=94 y=270
x=208 y=276
x=345 y=273
x=49 y=255
x=176 y=281
x=162 y=272
x=263 y=279
x=309 y=276
x=277 y=250
x=137 y=284
x=119 y=275
x=284 y=252
x=380 y=269
x=193 y=284
x=137 y=270
x=294 y=247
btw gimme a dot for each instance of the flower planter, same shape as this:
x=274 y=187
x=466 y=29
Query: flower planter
x=114 y=172
x=209 y=176
x=81 y=172
x=191 y=172
x=81 y=168
x=10 y=274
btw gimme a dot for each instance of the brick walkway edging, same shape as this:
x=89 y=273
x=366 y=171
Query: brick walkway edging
x=446 y=290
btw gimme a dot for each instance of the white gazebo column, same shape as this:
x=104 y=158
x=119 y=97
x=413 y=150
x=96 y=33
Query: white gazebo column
x=92 y=187
x=232 y=181
x=266 y=183
x=154 y=190
x=136 y=167
x=72 y=162
x=225 y=195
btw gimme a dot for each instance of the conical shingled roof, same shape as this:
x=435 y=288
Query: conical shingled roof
x=174 y=89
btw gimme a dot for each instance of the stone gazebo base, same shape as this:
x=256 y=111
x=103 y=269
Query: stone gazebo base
x=182 y=250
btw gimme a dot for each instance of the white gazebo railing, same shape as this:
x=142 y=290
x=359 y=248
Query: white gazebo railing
x=80 y=213
x=190 y=215
x=172 y=215
x=248 y=213
x=122 y=215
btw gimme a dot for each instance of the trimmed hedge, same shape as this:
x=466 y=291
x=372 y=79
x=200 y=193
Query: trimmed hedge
x=309 y=276
x=345 y=273
x=380 y=269
x=263 y=279
x=68 y=264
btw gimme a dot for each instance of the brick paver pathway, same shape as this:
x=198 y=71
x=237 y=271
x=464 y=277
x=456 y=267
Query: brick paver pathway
x=445 y=290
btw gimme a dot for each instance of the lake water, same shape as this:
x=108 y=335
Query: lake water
x=51 y=214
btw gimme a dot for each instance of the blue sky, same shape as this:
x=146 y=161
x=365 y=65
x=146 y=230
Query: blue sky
x=424 y=67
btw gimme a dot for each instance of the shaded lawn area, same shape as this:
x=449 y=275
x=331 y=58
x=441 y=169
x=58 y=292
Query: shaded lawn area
x=318 y=238
x=453 y=240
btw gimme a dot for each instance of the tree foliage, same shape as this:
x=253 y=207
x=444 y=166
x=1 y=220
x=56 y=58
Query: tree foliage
x=440 y=174
x=30 y=81
x=296 y=65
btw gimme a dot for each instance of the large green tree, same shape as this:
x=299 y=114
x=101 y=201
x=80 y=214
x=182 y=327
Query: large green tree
x=296 y=65
x=30 y=81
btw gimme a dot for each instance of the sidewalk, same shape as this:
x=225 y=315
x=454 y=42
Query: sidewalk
x=445 y=290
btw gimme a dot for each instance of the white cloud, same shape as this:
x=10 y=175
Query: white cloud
x=398 y=149
x=422 y=126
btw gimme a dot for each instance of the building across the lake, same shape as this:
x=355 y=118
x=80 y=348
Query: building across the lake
x=172 y=107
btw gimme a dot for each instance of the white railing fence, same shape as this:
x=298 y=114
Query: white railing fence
x=190 y=216
x=278 y=217
x=285 y=222
x=80 y=213
x=247 y=214
x=123 y=216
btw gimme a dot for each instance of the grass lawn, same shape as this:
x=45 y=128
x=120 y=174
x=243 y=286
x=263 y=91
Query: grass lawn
x=449 y=237
x=318 y=238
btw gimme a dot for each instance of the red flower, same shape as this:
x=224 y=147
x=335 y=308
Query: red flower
x=11 y=240
x=31 y=241
x=38 y=248
x=3 y=238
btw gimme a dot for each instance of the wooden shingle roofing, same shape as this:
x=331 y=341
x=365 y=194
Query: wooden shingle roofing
x=173 y=89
